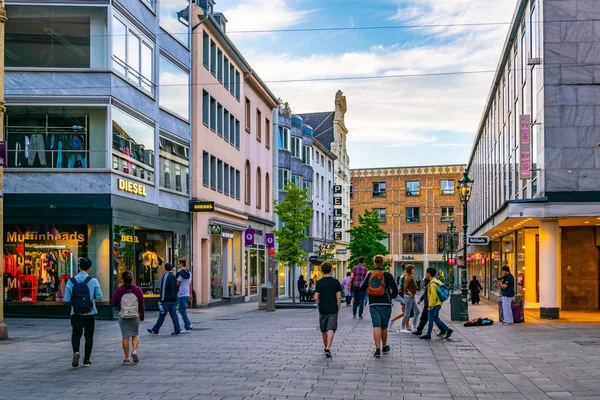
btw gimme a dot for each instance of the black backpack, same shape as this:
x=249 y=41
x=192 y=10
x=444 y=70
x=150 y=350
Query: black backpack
x=81 y=298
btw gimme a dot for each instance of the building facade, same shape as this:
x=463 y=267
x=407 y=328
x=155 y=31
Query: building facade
x=232 y=178
x=415 y=207
x=330 y=130
x=535 y=161
x=98 y=134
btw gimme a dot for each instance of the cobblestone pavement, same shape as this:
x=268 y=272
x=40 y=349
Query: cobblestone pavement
x=237 y=352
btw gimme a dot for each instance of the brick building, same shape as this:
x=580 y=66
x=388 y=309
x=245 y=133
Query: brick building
x=416 y=206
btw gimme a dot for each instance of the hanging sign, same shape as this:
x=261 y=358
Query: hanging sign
x=337 y=201
x=249 y=237
x=202 y=206
x=452 y=262
x=482 y=240
x=337 y=224
x=3 y=154
x=525 y=148
x=270 y=240
x=337 y=212
x=216 y=229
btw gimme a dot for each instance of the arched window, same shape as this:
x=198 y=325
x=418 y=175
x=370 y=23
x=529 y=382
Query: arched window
x=267 y=193
x=248 y=183
x=258 y=189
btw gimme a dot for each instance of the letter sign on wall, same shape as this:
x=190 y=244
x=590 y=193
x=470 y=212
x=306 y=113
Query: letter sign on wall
x=337 y=189
x=337 y=224
x=337 y=235
x=337 y=201
x=525 y=148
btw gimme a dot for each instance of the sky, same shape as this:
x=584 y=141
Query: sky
x=407 y=121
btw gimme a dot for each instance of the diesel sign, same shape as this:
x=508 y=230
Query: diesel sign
x=130 y=187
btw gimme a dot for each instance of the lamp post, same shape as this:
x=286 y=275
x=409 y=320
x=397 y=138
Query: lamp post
x=451 y=230
x=464 y=190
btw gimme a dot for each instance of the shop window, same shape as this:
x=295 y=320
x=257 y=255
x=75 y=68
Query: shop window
x=258 y=189
x=133 y=145
x=174 y=19
x=412 y=243
x=174 y=164
x=268 y=193
x=413 y=188
x=381 y=214
x=447 y=214
x=248 y=187
x=39 y=36
x=284 y=138
x=447 y=186
x=39 y=259
x=443 y=239
x=284 y=178
x=413 y=214
x=174 y=89
x=133 y=54
x=55 y=137
x=379 y=189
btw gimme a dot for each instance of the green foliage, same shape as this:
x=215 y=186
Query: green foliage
x=366 y=239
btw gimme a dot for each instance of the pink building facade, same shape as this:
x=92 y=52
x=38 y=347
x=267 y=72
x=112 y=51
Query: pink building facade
x=232 y=166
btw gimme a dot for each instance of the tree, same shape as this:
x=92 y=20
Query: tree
x=294 y=217
x=366 y=239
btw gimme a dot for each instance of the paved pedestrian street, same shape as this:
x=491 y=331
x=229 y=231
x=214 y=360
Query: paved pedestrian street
x=237 y=352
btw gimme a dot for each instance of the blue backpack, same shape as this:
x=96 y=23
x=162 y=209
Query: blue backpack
x=81 y=298
x=443 y=293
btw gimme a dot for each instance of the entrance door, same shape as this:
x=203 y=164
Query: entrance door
x=252 y=272
x=227 y=269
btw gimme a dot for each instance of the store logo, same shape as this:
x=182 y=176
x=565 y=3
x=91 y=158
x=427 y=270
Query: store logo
x=14 y=237
x=129 y=239
x=133 y=188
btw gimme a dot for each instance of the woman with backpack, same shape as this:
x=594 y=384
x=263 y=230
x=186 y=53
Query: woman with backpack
x=129 y=298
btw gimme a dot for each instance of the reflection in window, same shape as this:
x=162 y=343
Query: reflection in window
x=174 y=166
x=174 y=88
x=56 y=37
x=412 y=243
x=133 y=145
x=174 y=18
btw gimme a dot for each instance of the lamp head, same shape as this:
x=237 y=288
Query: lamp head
x=464 y=187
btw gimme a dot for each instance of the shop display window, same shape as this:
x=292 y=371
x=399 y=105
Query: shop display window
x=216 y=284
x=238 y=265
x=38 y=260
x=133 y=145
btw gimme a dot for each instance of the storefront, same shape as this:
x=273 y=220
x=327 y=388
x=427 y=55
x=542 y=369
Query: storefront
x=262 y=267
x=226 y=273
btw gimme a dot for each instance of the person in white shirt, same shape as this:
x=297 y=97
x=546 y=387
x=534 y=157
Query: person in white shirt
x=184 y=281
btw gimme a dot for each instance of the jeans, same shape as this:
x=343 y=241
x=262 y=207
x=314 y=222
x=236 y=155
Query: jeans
x=434 y=317
x=348 y=300
x=171 y=309
x=423 y=321
x=411 y=306
x=359 y=302
x=36 y=147
x=182 y=302
x=507 y=309
x=81 y=324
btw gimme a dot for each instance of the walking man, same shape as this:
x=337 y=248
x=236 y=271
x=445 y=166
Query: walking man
x=168 y=302
x=425 y=315
x=83 y=291
x=382 y=288
x=328 y=298
x=357 y=277
x=184 y=281
x=507 y=284
x=434 y=305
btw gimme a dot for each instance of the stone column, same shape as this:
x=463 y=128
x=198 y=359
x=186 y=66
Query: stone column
x=549 y=269
x=529 y=269
x=3 y=327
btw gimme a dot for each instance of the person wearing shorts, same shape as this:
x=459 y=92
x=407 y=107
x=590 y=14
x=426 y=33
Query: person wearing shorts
x=328 y=297
x=380 y=306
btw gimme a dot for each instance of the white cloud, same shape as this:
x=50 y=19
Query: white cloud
x=251 y=15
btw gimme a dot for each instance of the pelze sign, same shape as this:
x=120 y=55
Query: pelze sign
x=525 y=152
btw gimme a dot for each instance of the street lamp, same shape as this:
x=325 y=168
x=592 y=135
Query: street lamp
x=464 y=190
x=450 y=243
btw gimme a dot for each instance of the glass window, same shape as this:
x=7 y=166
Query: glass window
x=226 y=73
x=174 y=166
x=226 y=179
x=220 y=175
x=132 y=54
x=297 y=180
x=413 y=188
x=237 y=84
x=213 y=57
x=231 y=79
x=268 y=134
x=381 y=213
x=307 y=155
x=213 y=172
x=219 y=65
x=205 y=107
x=174 y=88
x=133 y=145
x=174 y=18
x=248 y=116
x=447 y=186
x=205 y=169
x=55 y=137
x=216 y=285
x=238 y=184
x=296 y=147
x=258 y=125
x=258 y=189
x=447 y=214
x=284 y=138
x=268 y=193
x=219 y=119
x=226 y=124
x=213 y=114
x=308 y=187
x=205 y=49
x=412 y=214
x=237 y=134
x=443 y=239
x=232 y=181
x=412 y=243
x=56 y=37
x=284 y=178
x=248 y=183
x=379 y=189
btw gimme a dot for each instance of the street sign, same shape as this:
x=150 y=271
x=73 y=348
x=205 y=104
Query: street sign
x=452 y=262
x=337 y=201
x=337 y=235
x=342 y=251
x=216 y=229
x=478 y=240
x=337 y=189
x=337 y=224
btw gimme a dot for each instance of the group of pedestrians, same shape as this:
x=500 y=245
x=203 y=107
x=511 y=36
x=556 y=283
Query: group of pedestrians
x=83 y=291
x=381 y=289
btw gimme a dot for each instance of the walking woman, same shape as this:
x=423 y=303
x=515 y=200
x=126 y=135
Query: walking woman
x=410 y=294
x=130 y=301
x=475 y=288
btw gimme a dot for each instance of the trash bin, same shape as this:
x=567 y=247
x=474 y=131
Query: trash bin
x=271 y=297
x=262 y=301
x=455 y=306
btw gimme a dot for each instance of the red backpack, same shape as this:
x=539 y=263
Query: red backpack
x=376 y=283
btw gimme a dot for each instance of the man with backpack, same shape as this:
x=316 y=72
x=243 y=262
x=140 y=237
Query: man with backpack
x=168 y=302
x=184 y=281
x=83 y=291
x=381 y=288
x=424 y=315
x=436 y=295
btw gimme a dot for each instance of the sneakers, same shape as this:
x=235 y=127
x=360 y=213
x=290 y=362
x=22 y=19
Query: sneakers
x=135 y=357
x=150 y=331
x=403 y=330
x=327 y=353
x=449 y=333
x=187 y=331
x=75 y=362
x=426 y=337
x=377 y=353
x=354 y=317
x=87 y=363
x=386 y=349
x=442 y=333
x=175 y=333
x=361 y=317
x=390 y=324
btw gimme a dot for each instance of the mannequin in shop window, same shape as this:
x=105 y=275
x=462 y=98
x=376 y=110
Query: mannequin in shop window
x=149 y=262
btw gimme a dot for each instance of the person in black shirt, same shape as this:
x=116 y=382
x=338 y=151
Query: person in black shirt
x=328 y=297
x=507 y=284
x=168 y=302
